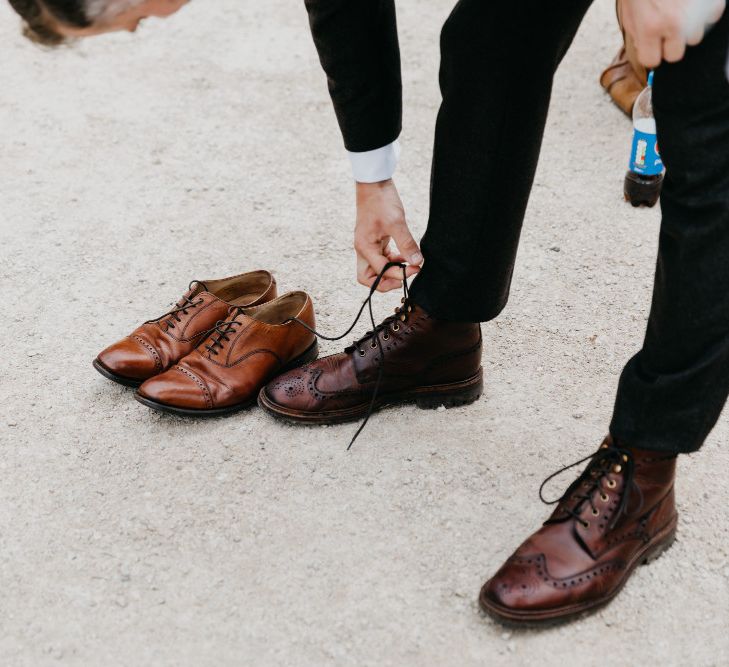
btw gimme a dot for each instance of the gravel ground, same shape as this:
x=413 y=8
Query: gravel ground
x=206 y=146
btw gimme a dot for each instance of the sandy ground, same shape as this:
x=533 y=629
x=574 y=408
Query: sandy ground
x=207 y=146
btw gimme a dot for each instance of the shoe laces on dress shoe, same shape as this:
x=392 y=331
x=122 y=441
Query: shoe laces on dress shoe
x=182 y=306
x=219 y=334
x=374 y=337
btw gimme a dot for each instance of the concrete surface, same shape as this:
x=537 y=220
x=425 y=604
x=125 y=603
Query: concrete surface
x=206 y=146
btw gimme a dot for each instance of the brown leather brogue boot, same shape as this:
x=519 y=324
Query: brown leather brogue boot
x=225 y=373
x=619 y=513
x=159 y=343
x=418 y=359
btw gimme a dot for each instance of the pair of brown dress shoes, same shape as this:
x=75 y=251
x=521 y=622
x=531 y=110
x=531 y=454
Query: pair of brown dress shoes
x=214 y=350
x=226 y=342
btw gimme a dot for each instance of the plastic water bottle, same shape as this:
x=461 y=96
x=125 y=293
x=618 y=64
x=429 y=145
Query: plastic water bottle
x=645 y=170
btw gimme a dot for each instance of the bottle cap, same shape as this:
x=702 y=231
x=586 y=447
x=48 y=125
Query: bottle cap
x=650 y=78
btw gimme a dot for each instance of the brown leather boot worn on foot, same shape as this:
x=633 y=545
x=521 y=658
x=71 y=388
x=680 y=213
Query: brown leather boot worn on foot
x=225 y=373
x=159 y=343
x=422 y=360
x=619 y=513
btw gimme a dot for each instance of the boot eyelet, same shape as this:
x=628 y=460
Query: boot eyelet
x=396 y=327
x=596 y=512
x=373 y=344
x=386 y=336
x=585 y=524
x=362 y=353
x=604 y=497
x=611 y=484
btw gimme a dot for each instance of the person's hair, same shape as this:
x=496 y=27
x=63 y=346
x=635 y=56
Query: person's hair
x=35 y=15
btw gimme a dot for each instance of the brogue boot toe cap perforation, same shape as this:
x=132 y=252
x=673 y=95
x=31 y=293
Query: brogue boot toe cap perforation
x=524 y=584
x=296 y=389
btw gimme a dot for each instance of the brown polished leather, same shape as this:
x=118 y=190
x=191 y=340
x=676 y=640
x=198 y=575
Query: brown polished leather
x=625 y=78
x=426 y=361
x=158 y=344
x=587 y=549
x=228 y=369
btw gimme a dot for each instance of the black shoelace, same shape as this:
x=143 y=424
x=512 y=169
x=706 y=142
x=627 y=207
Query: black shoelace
x=181 y=307
x=606 y=459
x=223 y=328
x=373 y=336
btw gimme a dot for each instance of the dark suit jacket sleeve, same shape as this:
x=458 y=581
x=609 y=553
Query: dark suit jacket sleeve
x=359 y=51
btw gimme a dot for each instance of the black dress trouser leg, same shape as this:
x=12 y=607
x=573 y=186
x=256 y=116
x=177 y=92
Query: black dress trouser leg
x=672 y=392
x=498 y=62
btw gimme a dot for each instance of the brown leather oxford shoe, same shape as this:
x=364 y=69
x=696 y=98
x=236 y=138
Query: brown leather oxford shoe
x=159 y=343
x=243 y=352
x=618 y=514
x=426 y=361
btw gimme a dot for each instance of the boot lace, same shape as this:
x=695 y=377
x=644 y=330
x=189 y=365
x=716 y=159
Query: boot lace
x=609 y=458
x=181 y=306
x=374 y=337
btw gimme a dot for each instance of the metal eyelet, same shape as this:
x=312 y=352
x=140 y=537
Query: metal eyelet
x=596 y=512
x=386 y=336
x=373 y=344
x=396 y=327
x=362 y=353
x=611 y=484
x=585 y=524
x=604 y=497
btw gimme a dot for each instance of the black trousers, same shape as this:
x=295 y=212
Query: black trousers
x=498 y=62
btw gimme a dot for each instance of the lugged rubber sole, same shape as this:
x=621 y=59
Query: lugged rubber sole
x=311 y=354
x=431 y=397
x=663 y=540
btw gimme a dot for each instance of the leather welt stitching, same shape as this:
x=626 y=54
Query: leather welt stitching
x=200 y=383
x=150 y=349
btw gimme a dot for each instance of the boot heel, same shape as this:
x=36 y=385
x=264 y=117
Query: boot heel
x=660 y=548
x=452 y=396
x=311 y=354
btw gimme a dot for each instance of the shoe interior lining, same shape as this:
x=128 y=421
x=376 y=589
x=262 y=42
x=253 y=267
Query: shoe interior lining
x=279 y=310
x=241 y=290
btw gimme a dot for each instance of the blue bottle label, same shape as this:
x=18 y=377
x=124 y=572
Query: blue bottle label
x=644 y=156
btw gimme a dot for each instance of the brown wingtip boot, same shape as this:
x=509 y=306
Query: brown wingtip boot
x=619 y=513
x=418 y=359
x=161 y=342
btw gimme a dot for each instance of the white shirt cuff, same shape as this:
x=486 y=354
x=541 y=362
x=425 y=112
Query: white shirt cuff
x=377 y=165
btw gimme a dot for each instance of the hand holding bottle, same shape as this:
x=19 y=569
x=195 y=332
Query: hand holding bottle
x=662 y=29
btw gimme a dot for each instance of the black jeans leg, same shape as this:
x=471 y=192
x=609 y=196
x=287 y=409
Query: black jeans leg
x=672 y=392
x=497 y=66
